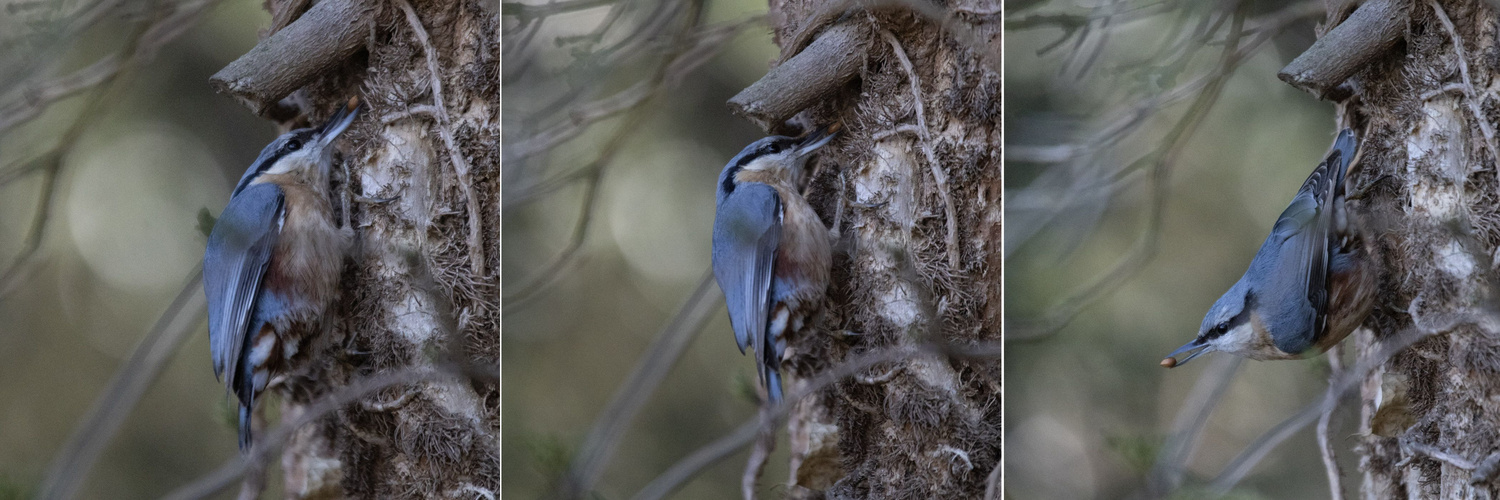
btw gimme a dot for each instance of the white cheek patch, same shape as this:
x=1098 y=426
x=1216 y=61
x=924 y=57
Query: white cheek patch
x=290 y=162
x=1240 y=340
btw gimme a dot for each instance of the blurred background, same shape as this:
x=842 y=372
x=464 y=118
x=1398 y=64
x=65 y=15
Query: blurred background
x=597 y=265
x=1093 y=92
x=108 y=123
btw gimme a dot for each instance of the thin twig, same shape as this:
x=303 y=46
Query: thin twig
x=765 y=441
x=72 y=464
x=1187 y=428
x=938 y=175
x=708 y=43
x=529 y=12
x=50 y=164
x=1164 y=158
x=1330 y=460
x=689 y=467
x=264 y=449
x=1118 y=125
x=420 y=109
x=444 y=129
x=676 y=65
x=610 y=426
x=1471 y=97
x=551 y=271
x=1242 y=464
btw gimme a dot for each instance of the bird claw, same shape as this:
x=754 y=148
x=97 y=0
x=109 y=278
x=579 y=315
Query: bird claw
x=1364 y=190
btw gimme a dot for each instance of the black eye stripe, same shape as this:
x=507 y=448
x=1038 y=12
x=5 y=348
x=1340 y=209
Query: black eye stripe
x=1239 y=319
x=729 y=179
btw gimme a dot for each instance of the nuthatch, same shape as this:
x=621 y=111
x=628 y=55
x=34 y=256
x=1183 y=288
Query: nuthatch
x=1308 y=286
x=771 y=252
x=273 y=261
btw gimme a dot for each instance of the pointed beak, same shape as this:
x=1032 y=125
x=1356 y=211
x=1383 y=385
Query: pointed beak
x=338 y=123
x=816 y=140
x=1197 y=347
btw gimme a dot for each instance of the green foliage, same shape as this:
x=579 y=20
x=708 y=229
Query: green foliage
x=11 y=489
x=549 y=453
x=228 y=410
x=744 y=387
x=1138 y=451
x=206 y=222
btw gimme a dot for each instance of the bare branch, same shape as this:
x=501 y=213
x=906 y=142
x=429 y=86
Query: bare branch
x=1330 y=460
x=103 y=74
x=1162 y=159
x=708 y=43
x=765 y=441
x=689 y=467
x=72 y=464
x=826 y=64
x=456 y=155
x=1237 y=469
x=1471 y=96
x=1167 y=473
x=1370 y=31
x=264 y=449
x=329 y=32
x=530 y=12
x=609 y=428
x=940 y=177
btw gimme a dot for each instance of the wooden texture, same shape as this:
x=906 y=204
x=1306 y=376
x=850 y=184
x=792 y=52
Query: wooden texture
x=1370 y=31
x=326 y=34
x=817 y=72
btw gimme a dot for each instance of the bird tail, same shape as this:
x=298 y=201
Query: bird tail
x=1346 y=146
x=772 y=378
x=244 y=428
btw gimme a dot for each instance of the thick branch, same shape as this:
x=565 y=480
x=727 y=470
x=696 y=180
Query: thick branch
x=1366 y=34
x=815 y=73
x=329 y=32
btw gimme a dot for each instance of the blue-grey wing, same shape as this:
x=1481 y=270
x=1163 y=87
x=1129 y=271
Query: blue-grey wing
x=1306 y=244
x=747 y=229
x=235 y=262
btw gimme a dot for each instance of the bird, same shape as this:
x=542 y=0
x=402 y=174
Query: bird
x=272 y=264
x=771 y=252
x=1308 y=287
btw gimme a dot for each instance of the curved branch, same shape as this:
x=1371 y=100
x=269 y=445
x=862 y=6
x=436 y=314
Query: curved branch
x=325 y=35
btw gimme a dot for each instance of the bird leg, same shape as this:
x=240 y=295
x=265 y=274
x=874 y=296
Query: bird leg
x=1362 y=190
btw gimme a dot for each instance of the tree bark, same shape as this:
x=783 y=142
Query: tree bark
x=1429 y=414
x=421 y=290
x=912 y=189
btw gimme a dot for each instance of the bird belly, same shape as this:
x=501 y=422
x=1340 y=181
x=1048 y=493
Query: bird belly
x=1351 y=294
x=301 y=284
x=800 y=273
x=309 y=256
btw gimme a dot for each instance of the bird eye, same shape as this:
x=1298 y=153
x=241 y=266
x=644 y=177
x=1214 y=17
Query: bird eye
x=293 y=145
x=1222 y=328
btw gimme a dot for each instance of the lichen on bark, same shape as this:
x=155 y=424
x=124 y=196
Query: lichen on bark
x=917 y=262
x=1432 y=202
x=417 y=292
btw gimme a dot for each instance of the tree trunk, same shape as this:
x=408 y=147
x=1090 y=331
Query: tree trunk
x=912 y=190
x=1429 y=414
x=422 y=288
